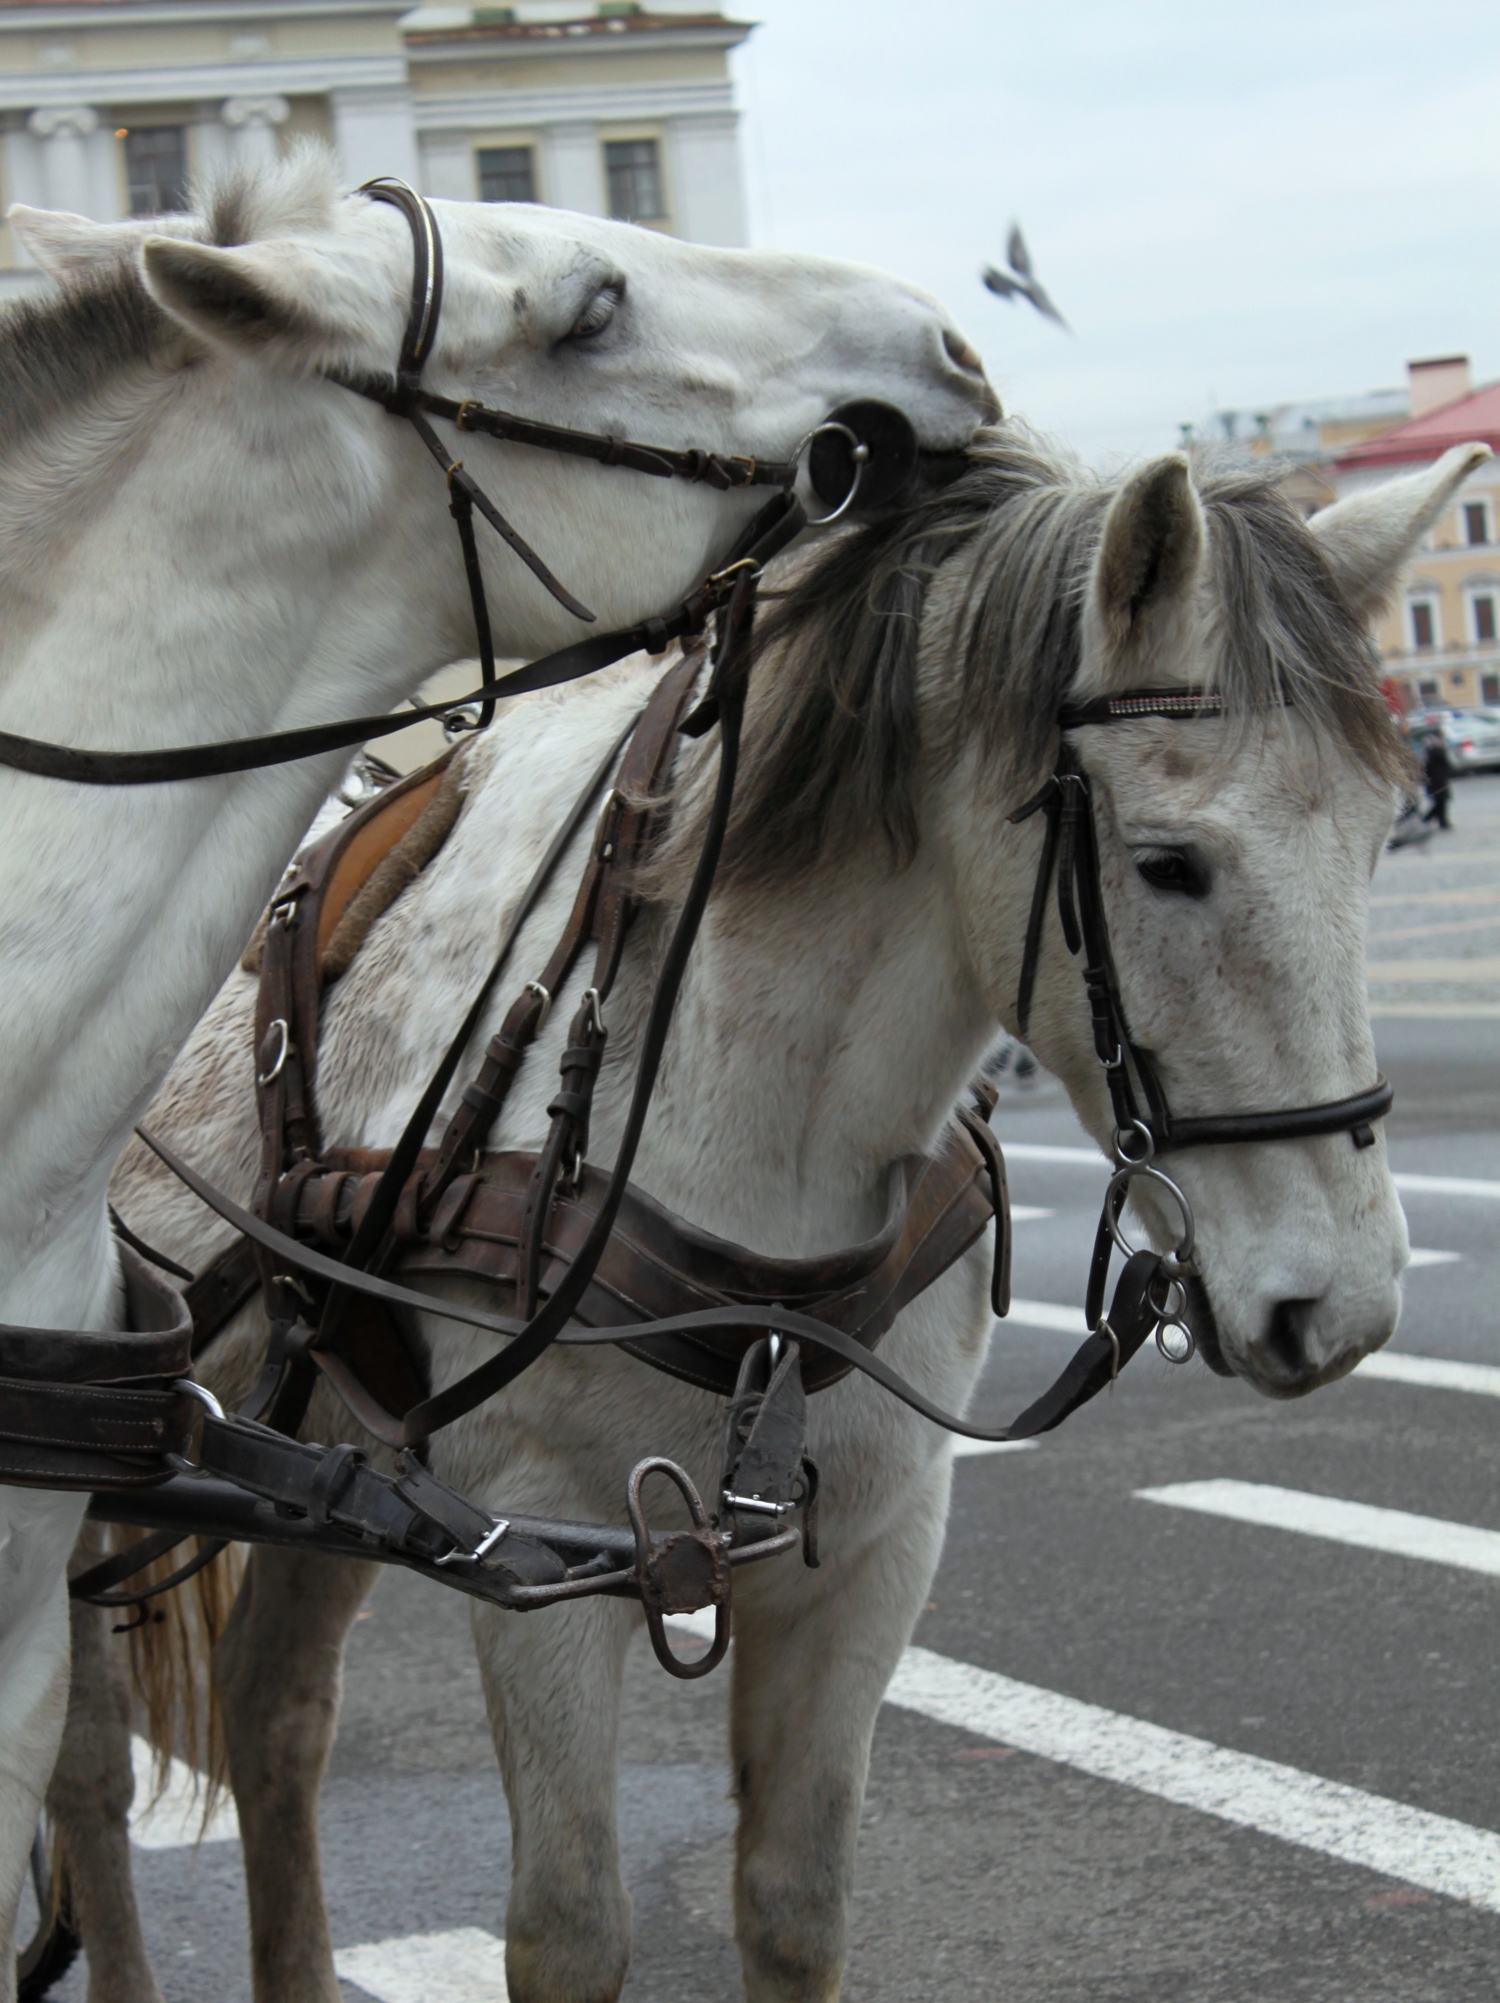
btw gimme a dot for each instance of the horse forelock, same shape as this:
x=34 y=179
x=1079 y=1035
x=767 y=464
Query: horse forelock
x=63 y=349
x=834 y=748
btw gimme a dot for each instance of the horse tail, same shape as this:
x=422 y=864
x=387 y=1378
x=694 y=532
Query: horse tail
x=171 y=1667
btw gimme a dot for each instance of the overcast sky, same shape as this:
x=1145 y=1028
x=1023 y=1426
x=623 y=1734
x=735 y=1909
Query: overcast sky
x=1233 y=204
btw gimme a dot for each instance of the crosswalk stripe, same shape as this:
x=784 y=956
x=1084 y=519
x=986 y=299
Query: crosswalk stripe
x=1435 y=1373
x=1445 y=1185
x=466 y=1965
x=173 y=1820
x=1416 y=1185
x=1395 y=1531
x=1431 y=1851
x=1418 y=1848
x=965 y=1450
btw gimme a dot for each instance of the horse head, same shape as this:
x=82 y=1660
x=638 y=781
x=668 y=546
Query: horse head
x=574 y=320
x=1235 y=855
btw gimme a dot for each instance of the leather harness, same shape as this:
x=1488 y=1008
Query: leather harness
x=580 y=1255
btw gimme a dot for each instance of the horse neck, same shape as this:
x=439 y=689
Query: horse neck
x=825 y=1030
x=212 y=555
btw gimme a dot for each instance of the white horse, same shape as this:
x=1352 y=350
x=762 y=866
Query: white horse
x=202 y=536
x=862 y=945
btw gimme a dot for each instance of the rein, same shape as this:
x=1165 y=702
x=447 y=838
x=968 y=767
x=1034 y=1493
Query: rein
x=1145 y=1126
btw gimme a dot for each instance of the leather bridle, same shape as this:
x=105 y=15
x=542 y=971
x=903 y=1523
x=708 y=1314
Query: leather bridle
x=1145 y=1126
x=872 y=447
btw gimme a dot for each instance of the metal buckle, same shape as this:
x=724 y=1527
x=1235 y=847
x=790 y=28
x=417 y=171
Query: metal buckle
x=756 y=1505
x=589 y=999
x=274 y=1071
x=732 y=569
x=536 y=988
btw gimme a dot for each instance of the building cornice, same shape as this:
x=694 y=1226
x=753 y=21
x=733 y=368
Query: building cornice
x=468 y=45
x=593 y=104
x=298 y=77
x=163 y=13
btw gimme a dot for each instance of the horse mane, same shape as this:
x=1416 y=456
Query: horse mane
x=60 y=350
x=833 y=740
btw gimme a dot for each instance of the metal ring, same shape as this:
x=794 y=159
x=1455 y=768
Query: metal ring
x=1189 y=1341
x=861 y=454
x=1122 y=1179
x=274 y=1071
x=201 y=1392
x=1175 y=1303
x=1126 y=1159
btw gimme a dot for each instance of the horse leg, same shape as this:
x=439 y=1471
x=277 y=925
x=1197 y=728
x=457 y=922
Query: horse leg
x=813 y=1654
x=90 y=1796
x=38 y=1529
x=278 y=1667
x=552 y=1689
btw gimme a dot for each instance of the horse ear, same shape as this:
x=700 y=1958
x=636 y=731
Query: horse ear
x=246 y=299
x=1151 y=549
x=68 y=246
x=1368 y=538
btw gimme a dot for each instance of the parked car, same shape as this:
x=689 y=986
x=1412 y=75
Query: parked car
x=1471 y=735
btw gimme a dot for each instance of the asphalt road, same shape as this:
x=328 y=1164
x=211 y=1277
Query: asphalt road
x=1027 y=1835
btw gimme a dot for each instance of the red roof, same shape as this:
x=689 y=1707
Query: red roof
x=1475 y=416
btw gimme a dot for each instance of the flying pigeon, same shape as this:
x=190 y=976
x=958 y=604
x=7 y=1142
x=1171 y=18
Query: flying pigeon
x=1025 y=284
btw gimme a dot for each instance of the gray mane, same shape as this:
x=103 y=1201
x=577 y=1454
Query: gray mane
x=60 y=351
x=833 y=745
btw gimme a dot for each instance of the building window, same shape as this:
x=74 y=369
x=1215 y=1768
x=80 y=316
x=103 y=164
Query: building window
x=506 y=174
x=156 y=169
x=1428 y=691
x=1476 y=523
x=1489 y=691
x=634 y=170
x=1483 y=603
x=1423 y=624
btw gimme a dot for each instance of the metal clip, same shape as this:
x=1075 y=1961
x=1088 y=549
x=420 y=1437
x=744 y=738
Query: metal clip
x=756 y=1505
x=480 y=1551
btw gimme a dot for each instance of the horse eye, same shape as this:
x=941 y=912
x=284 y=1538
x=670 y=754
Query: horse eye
x=597 y=315
x=1176 y=870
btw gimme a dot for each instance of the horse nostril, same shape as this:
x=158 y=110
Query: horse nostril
x=959 y=351
x=1285 y=1337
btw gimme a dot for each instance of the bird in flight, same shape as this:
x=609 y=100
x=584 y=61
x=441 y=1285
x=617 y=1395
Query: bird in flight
x=1021 y=282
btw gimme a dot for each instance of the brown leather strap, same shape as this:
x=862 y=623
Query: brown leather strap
x=85 y=1410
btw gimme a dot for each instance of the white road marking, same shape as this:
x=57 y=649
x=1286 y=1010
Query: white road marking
x=1416 y=1185
x=1446 y=1185
x=1049 y=1315
x=1482 y=967
x=1422 y=1255
x=1045 y=1151
x=1436 y=1373
x=1432 y=1851
x=173 y=1822
x=1476 y=893
x=1436 y=1011
x=1027 y=1213
x=1395 y=1531
x=965 y=1450
x=464 y=1966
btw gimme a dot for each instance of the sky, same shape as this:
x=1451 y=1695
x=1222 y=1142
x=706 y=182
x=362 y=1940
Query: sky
x=1234 y=205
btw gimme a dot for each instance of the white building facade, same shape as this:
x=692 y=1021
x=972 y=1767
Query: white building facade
x=110 y=108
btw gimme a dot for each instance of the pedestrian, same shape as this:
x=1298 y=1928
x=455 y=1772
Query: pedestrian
x=1438 y=774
